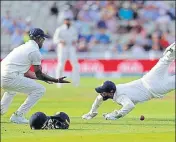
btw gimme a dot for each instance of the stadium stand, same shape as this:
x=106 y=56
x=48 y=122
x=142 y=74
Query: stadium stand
x=110 y=28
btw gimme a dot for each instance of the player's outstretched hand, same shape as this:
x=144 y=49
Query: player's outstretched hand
x=61 y=80
x=89 y=115
x=109 y=116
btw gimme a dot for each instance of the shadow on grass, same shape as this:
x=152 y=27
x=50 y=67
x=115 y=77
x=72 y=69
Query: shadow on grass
x=78 y=129
x=149 y=124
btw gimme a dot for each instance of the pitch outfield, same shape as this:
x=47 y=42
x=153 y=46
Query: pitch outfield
x=158 y=126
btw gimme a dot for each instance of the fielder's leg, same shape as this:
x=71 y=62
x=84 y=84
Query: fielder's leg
x=32 y=99
x=62 y=57
x=171 y=82
x=6 y=101
x=75 y=67
x=160 y=70
x=28 y=86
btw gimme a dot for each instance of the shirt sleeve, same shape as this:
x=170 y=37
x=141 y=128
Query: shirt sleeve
x=98 y=101
x=127 y=106
x=35 y=58
x=57 y=36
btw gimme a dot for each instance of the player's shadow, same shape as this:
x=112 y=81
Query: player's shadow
x=133 y=121
x=161 y=119
x=78 y=129
x=125 y=123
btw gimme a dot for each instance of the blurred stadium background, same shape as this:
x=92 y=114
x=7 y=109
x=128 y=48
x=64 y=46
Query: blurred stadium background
x=115 y=37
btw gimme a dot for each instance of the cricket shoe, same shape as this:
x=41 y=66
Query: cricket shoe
x=169 y=53
x=19 y=119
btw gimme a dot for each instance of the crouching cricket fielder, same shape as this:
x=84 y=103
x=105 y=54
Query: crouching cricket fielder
x=16 y=76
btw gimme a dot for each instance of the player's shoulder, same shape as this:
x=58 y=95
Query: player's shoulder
x=29 y=47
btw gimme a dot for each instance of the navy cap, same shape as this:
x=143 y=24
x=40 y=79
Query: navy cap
x=108 y=87
x=37 y=120
x=37 y=32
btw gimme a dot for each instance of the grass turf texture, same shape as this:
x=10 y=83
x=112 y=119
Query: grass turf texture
x=158 y=126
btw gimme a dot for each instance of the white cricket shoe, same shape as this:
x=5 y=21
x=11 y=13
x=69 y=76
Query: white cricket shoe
x=169 y=53
x=19 y=119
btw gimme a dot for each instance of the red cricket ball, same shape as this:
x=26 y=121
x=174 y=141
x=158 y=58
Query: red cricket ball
x=142 y=117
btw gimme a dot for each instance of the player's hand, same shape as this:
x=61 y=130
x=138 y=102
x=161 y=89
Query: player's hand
x=109 y=116
x=89 y=115
x=49 y=82
x=61 y=80
x=62 y=42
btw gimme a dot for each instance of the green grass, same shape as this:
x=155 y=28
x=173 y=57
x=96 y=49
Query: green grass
x=158 y=126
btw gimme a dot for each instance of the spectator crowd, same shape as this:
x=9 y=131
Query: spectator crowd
x=115 y=26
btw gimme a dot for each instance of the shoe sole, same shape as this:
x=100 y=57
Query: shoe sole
x=18 y=122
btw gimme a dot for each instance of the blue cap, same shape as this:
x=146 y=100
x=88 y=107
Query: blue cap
x=37 y=32
x=108 y=87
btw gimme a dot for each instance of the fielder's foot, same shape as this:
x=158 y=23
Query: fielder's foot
x=19 y=119
x=169 y=53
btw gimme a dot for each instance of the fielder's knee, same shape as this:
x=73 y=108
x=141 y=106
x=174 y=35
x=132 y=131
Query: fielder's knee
x=39 y=90
x=42 y=90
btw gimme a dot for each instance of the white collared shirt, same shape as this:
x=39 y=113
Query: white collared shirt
x=68 y=35
x=21 y=58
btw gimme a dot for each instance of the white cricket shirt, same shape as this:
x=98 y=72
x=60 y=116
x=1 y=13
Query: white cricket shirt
x=67 y=34
x=20 y=59
x=134 y=90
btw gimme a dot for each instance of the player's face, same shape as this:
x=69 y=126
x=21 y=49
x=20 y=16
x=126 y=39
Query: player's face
x=40 y=42
x=105 y=94
x=67 y=22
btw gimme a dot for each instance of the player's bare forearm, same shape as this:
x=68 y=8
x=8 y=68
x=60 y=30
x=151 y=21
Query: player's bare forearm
x=44 y=77
x=30 y=74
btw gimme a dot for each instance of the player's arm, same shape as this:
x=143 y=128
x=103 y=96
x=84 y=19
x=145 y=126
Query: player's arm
x=75 y=37
x=127 y=106
x=57 y=38
x=35 y=58
x=44 y=77
x=30 y=74
x=93 y=112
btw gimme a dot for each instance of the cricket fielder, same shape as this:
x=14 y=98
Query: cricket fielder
x=155 y=84
x=17 y=77
x=65 y=37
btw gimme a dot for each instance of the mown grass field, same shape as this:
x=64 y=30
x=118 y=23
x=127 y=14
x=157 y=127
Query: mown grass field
x=158 y=126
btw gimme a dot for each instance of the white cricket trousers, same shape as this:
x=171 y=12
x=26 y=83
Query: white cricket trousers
x=64 y=54
x=158 y=80
x=18 y=83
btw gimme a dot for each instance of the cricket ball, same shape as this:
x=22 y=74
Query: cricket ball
x=142 y=117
